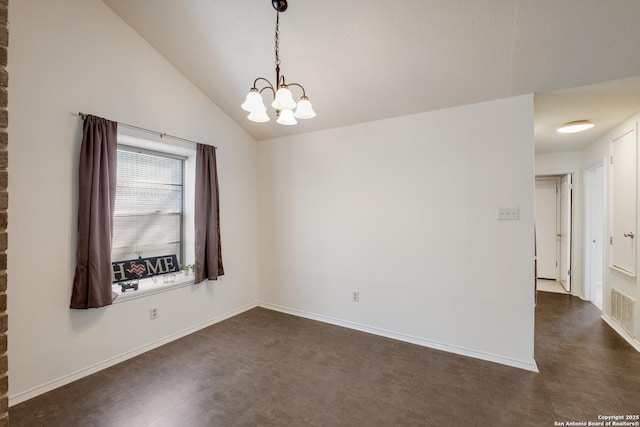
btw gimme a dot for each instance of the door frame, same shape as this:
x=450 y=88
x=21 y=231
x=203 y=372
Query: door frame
x=566 y=227
x=576 y=232
x=557 y=181
x=588 y=219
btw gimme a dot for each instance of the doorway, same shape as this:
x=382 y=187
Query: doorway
x=594 y=219
x=553 y=203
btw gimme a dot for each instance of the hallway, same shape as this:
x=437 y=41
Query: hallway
x=588 y=369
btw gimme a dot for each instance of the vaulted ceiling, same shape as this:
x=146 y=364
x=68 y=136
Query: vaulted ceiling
x=365 y=60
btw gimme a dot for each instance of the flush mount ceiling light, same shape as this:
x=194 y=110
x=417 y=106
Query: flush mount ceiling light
x=576 y=126
x=283 y=101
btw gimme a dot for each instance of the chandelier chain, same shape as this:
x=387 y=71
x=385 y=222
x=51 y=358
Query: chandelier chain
x=277 y=45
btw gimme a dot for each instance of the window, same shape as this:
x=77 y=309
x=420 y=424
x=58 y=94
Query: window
x=149 y=210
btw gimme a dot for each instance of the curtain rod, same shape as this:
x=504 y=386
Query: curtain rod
x=161 y=134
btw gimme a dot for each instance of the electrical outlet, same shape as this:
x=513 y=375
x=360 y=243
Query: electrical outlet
x=355 y=296
x=154 y=313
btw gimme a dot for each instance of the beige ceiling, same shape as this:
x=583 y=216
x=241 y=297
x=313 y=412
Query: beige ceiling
x=364 y=60
x=606 y=105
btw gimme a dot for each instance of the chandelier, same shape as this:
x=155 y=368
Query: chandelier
x=283 y=101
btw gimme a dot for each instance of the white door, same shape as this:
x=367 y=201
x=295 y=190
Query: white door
x=546 y=228
x=595 y=230
x=623 y=202
x=565 y=232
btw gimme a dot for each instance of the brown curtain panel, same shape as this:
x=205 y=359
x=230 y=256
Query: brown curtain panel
x=97 y=193
x=207 y=216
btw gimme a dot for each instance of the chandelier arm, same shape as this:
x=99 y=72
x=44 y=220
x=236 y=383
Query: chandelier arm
x=304 y=94
x=270 y=88
x=267 y=86
x=255 y=83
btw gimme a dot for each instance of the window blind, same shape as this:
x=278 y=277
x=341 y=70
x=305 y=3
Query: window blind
x=148 y=212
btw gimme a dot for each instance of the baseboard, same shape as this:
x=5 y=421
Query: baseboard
x=59 y=382
x=529 y=366
x=624 y=334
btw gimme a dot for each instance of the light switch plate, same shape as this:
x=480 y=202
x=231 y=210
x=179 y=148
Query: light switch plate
x=508 y=214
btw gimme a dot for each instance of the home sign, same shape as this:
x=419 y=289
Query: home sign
x=140 y=268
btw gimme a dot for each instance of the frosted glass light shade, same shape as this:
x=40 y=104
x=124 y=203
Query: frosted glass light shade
x=259 y=116
x=286 y=118
x=253 y=102
x=284 y=100
x=304 y=110
x=574 y=127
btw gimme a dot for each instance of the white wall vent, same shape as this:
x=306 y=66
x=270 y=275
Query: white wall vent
x=622 y=308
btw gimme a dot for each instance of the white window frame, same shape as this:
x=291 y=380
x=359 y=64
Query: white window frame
x=135 y=139
x=159 y=154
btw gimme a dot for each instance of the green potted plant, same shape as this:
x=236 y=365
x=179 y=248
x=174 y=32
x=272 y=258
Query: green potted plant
x=187 y=269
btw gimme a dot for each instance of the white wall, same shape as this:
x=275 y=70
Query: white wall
x=404 y=211
x=68 y=56
x=558 y=163
x=595 y=152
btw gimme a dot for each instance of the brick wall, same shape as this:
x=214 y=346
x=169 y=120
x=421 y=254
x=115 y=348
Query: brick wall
x=4 y=201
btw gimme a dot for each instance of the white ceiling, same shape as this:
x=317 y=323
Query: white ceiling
x=364 y=60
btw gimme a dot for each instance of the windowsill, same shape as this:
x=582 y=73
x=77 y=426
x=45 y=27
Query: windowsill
x=148 y=287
